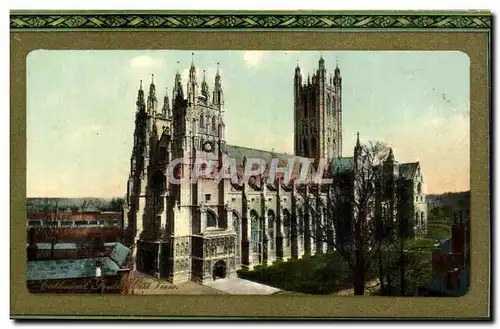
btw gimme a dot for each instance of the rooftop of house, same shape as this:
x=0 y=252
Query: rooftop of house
x=78 y=268
x=239 y=153
x=439 y=283
x=69 y=245
x=408 y=170
x=338 y=165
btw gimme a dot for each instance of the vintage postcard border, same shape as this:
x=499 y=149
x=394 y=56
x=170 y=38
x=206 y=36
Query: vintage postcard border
x=477 y=45
x=246 y=20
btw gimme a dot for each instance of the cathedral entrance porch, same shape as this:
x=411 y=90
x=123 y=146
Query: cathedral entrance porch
x=219 y=270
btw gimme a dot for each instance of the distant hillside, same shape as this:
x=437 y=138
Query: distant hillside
x=454 y=200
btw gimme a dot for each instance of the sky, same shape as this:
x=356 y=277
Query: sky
x=81 y=109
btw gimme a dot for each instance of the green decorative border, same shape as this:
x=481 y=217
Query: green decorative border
x=262 y=20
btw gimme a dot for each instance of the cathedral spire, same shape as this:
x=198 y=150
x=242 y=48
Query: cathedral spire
x=297 y=69
x=192 y=70
x=152 y=87
x=357 y=148
x=166 y=104
x=177 y=92
x=140 y=97
x=321 y=62
x=192 y=86
x=218 y=94
x=152 y=101
x=204 y=86
x=390 y=157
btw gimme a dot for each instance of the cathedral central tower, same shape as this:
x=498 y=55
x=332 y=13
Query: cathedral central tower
x=318 y=113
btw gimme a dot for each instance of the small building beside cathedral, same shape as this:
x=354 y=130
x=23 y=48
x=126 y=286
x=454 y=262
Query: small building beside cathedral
x=208 y=228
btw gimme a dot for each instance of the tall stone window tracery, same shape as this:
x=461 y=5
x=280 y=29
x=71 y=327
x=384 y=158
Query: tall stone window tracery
x=287 y=226
x=271 y=222
x=202 y=121
x=255 y=236
x=237 y=230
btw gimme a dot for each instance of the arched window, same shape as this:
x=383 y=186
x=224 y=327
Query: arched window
x=300 y=217
x=202 y=121
x=254 y=230
x=213 y=125
x=422 y=219
x=158 y=183
x=328 y=109
x=287 y=223
x=417 y=217
x=419 y=188
x=271 y=220
x=314 y=222
x=221 y=131
x=211 y=219
x=236 y=229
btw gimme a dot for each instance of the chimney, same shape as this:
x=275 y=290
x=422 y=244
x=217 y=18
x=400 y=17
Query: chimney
x=458 y=240
x=453 y=279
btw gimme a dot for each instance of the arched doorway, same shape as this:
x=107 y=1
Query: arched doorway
x=219 y=270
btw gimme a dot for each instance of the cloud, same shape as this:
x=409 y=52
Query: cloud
x=144 y=61
x=141 y=61
x=253 y=58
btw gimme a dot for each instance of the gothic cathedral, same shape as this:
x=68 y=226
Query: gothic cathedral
x=207 y=229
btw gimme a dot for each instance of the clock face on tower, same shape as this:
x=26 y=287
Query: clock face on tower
x=207 y=147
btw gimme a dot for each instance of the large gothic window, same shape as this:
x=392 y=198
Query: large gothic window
x=254 y=231
x=213 y=126
x=287 y=225
x=202 y=121
x=236 y=229
x=158 y=182
x=300 y=230
x=271 y=221
x=220 y=131
x=304 y=145
x=211 y=219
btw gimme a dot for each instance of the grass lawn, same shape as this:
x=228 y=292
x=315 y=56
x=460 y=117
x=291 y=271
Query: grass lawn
x=319 y=274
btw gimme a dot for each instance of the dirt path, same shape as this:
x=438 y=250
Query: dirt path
x=147 y=285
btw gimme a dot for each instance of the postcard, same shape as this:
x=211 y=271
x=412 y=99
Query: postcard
x=299 y=172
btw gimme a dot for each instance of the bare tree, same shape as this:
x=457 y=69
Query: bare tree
x=50 y=225
x=344 y=214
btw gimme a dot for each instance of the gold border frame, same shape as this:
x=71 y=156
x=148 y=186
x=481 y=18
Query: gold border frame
x=474 y=305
